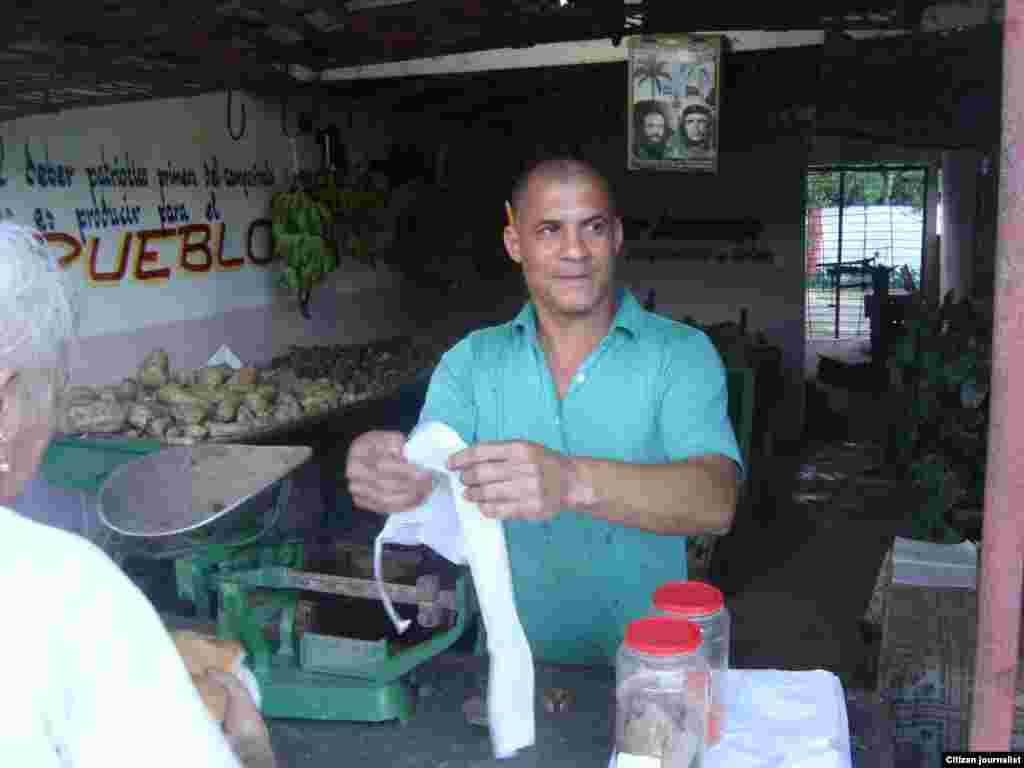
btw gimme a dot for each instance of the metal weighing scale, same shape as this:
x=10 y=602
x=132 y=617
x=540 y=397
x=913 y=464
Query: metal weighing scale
x=317 y=636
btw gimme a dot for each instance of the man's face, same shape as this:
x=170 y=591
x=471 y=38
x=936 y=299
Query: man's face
x=566 y=238
x=696 y=125
x=654 y=128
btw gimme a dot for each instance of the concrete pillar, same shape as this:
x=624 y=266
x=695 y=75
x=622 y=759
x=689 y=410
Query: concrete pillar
x=999 y=588
x=959 y=204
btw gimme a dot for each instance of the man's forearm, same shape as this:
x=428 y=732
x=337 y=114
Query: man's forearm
x=679 y=498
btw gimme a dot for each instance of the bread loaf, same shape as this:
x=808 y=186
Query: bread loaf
x=214 y=696
x=202 y=653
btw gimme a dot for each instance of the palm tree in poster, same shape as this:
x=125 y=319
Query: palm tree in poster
x=699 y=81
x=650 y=68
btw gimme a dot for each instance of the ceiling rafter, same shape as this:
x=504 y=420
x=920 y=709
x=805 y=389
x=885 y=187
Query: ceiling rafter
x=259 y=45
x=104 y=64
x=116 y=64
x=185 y=32
x=109 y=81
x=276 y=13
x=10 y=112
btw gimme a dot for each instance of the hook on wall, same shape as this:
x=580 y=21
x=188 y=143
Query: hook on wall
x=231 y=131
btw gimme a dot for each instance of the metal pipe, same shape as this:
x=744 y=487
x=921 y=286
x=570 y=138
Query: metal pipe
x=839 y=248
x=999 y=588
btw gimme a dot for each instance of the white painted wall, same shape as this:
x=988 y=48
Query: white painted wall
x=91 y=149
x=236 y=301
x=190 y=316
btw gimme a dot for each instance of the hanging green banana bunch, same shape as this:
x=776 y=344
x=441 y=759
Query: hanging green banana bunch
x=301 y=227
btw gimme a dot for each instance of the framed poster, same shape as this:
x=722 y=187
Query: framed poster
x=674 y=103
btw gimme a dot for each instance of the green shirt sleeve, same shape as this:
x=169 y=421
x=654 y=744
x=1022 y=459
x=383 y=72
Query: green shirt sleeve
x=450 y=394
x=694 y=414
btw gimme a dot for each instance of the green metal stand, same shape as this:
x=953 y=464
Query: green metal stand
x=290 y=692
x=374 y=687
x=290 y=668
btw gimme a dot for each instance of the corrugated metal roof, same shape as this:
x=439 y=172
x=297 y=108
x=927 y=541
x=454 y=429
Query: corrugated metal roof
x=57 y=56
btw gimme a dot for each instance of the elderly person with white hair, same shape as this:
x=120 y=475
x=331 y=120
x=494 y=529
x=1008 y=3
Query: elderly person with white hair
x=93 y=677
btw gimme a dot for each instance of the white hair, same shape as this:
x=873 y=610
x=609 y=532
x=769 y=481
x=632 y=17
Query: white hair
x=37 y=313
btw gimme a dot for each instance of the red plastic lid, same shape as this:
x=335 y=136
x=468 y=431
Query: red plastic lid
x=662 y=636
x=688 y=598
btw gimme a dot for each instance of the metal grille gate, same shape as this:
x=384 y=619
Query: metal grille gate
x=856 y=217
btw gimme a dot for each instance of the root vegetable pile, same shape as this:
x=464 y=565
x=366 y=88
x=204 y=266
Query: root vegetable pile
x=182 y=407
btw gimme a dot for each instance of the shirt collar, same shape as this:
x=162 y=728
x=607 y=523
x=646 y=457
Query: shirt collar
x=628 y=315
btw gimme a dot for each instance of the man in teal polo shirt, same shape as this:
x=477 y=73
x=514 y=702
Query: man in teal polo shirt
x=598 y=432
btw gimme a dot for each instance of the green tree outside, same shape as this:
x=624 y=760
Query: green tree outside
x=874 y=187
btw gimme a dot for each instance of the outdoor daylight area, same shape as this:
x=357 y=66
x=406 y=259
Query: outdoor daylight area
x=855 y=220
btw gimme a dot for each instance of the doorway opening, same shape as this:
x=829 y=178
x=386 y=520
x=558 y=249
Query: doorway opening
x=856 y=218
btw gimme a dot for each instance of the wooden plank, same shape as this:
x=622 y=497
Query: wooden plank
x=104 y=63
x=926 y=668
x=150 y=20
x=851 y=14
x=180 y=33
x=282 y=16
x=59 y=27
x=570 y=53
x=127 y=82
x=111 y=66
x=12 y=110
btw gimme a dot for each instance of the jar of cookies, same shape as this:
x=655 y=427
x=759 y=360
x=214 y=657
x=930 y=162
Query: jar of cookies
x=662 y=693
x=704 y=605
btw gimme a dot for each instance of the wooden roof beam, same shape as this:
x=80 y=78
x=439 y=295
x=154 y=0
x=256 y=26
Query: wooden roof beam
x=278 y=14
x=195 y=24
x=13 y=110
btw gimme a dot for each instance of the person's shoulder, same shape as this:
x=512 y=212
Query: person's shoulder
x=46 y=553
x=666 y=330
x=679 y=342
x=19 y=535
x=481 y=346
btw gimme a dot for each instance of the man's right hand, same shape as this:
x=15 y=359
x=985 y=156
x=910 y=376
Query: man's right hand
x=379 y=477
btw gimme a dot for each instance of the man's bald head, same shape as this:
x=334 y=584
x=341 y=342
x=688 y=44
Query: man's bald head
x=563 y=169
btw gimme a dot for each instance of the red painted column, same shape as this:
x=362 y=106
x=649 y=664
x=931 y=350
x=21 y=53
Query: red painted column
x=999 y=589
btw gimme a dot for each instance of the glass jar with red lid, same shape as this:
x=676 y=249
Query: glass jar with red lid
x=704 y=605
x=662 y=694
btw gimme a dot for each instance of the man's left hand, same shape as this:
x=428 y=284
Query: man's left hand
x=515 y=480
